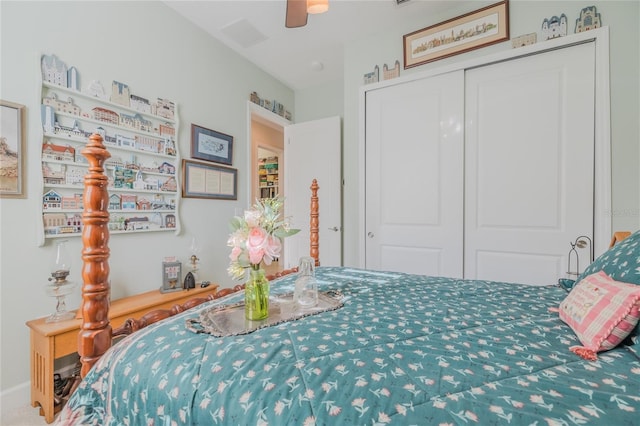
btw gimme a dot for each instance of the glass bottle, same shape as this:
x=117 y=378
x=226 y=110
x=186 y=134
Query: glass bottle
x=306 y=286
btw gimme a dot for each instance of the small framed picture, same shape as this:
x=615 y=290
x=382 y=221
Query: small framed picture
x=171 y=277
x=209 y=145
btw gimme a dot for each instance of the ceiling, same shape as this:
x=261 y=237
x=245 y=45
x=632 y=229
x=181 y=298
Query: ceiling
x=306 y=56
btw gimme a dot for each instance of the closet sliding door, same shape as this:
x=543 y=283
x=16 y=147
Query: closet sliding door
x=529 y=164
x=414 y=176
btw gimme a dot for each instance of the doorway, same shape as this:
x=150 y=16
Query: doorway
x=295 y=145
x=266 y=133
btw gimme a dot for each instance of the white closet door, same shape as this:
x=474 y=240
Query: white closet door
x=414 y=160
x=529 y=164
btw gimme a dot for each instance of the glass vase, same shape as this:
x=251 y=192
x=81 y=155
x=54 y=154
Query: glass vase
x=256 y=295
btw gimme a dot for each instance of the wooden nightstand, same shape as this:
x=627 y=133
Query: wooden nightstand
x=50 y=341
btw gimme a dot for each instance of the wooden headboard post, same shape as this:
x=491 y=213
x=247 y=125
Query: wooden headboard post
x=314 y=224
x=95 y=334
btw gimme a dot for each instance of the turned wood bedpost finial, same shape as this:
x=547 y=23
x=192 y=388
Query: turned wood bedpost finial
x=314 y=223
x=95 y=334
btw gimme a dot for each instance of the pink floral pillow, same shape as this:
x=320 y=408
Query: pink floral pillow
x=602 y=312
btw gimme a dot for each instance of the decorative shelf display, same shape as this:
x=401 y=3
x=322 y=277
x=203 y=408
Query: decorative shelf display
x=268 y=175
x=141 y=137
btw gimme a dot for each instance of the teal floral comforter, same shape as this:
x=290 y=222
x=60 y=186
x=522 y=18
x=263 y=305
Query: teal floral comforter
x=404 y=349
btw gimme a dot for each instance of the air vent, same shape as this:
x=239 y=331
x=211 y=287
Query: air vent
x=243 y=33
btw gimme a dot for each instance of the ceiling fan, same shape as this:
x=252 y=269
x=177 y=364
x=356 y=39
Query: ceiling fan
x=299 y=10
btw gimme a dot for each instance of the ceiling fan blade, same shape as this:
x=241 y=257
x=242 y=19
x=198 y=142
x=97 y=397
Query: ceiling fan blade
x=296 y=13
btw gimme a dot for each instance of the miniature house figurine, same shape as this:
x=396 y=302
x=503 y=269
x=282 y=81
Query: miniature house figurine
x=139 y=182
x=57 y=152
x=391 y=73
x=170 y=221
x=589 y=19
x=120 y=93
x=48 y=118
x=167 y=168
x=169 y=147
x=51 y=200
x=106 y=115
x=373 y=76
x=54 y=70
x=165 y=109
x=73 y=79
x=140 y=104
x=144 y=204
x=53 y=174
x=554 y=27
x=96 y=90
x=136 y=121
x=67 y=107
x=114 y=202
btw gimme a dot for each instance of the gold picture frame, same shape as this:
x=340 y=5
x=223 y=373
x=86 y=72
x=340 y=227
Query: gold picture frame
x=470 y=31
x=12 y=150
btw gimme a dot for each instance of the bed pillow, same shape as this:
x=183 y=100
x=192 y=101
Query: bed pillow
x=566 y=283
x=621 y=262
x=602 y=312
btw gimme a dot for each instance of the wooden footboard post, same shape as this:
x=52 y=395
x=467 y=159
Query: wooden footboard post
x=95 y=334
x=314 y=224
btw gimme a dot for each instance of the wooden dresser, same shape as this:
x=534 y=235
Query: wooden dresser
x=50 y=341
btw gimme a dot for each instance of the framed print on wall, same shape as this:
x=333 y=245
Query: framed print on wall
x=473 y=30
x=209 y=145
x=201 y=180
x=12 y=152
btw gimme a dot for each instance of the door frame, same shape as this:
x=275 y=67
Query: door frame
x=264 y=116
x=602 y=187
x=257 y=113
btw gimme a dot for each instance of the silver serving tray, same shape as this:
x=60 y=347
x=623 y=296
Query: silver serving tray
x=229 y=320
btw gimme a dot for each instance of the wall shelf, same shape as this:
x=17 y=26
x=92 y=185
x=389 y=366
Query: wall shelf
x=143 y=170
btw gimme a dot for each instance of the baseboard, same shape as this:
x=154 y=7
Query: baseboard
x=15 y=397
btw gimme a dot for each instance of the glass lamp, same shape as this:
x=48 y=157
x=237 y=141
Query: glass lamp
x=194 y=249
x=58 y=285
x=580 y=242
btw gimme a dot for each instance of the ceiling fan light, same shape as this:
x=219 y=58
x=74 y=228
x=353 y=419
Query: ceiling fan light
x=317 y=6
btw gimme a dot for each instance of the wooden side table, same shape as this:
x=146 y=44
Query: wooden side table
x=50 y=341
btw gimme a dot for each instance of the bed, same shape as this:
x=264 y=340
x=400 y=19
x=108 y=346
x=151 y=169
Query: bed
x=402 y=349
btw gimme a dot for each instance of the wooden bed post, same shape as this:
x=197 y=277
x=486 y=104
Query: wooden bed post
x=314 y=223
x=95 y=334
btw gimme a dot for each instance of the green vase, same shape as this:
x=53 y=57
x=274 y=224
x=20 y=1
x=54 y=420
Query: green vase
x=256 y=295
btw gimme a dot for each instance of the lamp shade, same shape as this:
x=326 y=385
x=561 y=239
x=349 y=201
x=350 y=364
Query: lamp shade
x=317 y=6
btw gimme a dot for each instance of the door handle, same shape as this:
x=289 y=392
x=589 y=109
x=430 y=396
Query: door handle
x=334 y=229
x=370 y=234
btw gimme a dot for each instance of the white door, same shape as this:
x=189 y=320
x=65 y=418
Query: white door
x=529 y=165
x=414 y=176
x=312 y=150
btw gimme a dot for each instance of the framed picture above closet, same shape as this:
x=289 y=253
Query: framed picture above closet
x=470 y=31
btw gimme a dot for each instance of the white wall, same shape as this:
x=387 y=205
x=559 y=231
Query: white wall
x=158 y=54
x=525 y=17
